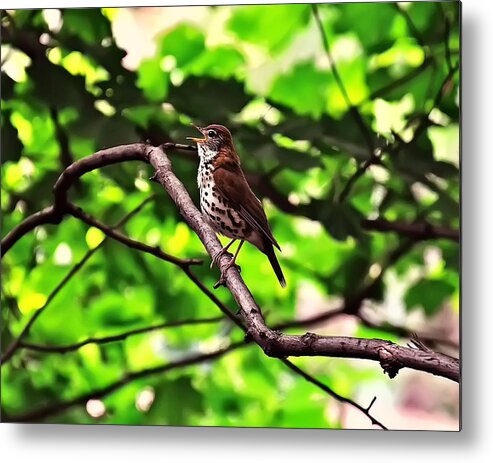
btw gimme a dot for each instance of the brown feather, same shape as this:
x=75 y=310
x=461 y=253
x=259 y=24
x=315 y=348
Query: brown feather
x=232 y=184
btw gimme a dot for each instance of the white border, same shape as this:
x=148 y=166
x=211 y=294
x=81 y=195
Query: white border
x=130 y=444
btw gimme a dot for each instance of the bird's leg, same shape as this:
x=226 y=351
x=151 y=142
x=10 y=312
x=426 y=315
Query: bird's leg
x=231 y=263
x=217 y=256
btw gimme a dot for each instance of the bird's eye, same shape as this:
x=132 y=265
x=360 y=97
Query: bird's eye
x=211 y=133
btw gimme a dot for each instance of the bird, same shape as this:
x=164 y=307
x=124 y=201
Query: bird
x=227 y=202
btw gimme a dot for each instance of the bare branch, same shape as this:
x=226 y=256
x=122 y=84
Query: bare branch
x=374 y=158
x=48 y=411
x=273 y=343
x=103 y=158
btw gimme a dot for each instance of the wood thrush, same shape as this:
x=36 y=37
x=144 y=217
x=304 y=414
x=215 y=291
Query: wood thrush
x=227 y=201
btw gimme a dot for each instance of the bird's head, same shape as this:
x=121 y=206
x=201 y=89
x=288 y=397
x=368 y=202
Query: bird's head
x=216 y=140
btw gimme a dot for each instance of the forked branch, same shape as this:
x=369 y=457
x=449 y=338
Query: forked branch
x=274 y=343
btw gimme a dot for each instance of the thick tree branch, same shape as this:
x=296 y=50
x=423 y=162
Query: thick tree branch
x=54 y=214
x=273 y=342
x=391 y=356
x=103 y=158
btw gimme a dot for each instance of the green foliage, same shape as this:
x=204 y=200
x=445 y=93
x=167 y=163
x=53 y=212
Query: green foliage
x=311 y=99
x=429 y=293
x=272 y=26
x=263 y=71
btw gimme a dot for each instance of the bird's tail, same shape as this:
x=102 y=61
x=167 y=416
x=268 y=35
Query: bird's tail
x=269 y=251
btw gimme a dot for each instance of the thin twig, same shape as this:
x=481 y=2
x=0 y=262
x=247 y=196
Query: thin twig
x=44 y=412
x=179 y=146
x=333 y=394
x=78 y=213
x=362 y=168
x=443 y=89
x=410 y=24
x=358 y=118
x=118 y=337
x=47 y=215
x=414 y=230
x=406 y=78
x=446 y=35
x=10 y=351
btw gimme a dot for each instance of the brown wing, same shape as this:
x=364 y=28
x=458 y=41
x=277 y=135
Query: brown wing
x=232 y=184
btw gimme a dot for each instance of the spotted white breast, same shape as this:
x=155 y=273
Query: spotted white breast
x=215 y=208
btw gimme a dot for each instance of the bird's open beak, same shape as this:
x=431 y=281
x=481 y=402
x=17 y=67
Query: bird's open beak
x=197 y=140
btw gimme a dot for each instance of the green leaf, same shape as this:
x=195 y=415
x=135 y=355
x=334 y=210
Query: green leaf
x=265 y=149
x=341 y=220
x=304 y=89
x=185 y=43
x=429 y=294
x=221 y=62
x=61 y=89
x=367 y=20
x=11 y=145
x=88 y=23
x=211 y=99
x=270 y=26
x=153 y=80
x=177 y=401
x=115 y=309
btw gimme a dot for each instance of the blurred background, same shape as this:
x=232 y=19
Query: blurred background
x=346 y=119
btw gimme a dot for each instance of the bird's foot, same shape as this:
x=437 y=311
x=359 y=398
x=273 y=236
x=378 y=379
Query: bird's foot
x=232 y=263
x=218 y=255
x=222 y=279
